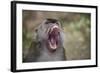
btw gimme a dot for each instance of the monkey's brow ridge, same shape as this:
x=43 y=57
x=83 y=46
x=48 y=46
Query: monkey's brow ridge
x=52 y=20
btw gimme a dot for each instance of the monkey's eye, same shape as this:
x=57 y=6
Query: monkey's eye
x=57 y=23
x=47 y=22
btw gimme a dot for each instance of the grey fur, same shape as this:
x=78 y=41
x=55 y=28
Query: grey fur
x=39 y=52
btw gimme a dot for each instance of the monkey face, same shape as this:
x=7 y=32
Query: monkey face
x=54 y=34
x=50 y=34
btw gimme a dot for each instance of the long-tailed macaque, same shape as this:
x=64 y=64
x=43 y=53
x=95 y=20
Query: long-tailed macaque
x=49 y=43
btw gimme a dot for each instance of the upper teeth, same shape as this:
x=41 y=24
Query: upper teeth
x=54 y=27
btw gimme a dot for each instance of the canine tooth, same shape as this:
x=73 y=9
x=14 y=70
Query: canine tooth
x=53 y=46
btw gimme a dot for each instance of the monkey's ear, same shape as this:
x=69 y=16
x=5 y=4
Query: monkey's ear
x=36 y=30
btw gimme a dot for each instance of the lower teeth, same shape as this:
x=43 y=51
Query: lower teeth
x=53 y=46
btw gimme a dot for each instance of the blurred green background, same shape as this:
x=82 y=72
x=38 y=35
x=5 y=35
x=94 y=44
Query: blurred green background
x=76 y=27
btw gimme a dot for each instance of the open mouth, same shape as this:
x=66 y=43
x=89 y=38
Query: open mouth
x=53 y=37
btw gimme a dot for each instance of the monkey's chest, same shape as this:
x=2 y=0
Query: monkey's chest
x=56 y=56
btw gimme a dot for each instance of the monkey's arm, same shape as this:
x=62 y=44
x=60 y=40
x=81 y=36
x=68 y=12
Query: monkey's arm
x=33 y=52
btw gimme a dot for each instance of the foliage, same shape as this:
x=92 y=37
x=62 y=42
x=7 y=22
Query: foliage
x=76 y=27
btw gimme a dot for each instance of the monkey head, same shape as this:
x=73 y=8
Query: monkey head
x=49 y=33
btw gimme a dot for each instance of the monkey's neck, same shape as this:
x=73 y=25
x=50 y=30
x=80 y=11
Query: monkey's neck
x=46 y=55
